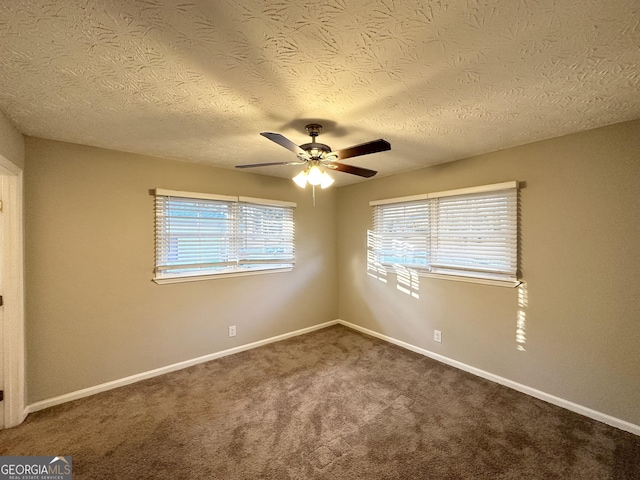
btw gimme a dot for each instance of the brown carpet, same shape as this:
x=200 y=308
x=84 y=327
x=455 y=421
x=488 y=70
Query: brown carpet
x=332 y=404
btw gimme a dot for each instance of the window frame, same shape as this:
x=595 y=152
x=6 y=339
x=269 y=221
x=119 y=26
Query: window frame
x=240 y=219
x=429 y=201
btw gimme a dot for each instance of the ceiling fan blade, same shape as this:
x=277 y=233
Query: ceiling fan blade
x=285 y=142
x=362 y=172
x=379 y=145
x=253 y=165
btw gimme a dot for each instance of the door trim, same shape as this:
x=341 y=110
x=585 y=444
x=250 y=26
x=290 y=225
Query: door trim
x=13 y=348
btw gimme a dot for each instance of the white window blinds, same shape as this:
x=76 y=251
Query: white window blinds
x=476 y=233
x=467 y=232
x=194 y=234
x=402 y=234
x=265 y=236
x=202 y=235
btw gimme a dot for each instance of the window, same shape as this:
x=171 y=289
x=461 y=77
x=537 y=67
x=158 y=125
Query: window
x=402 y=234
x=202 y=235
x=470 y=233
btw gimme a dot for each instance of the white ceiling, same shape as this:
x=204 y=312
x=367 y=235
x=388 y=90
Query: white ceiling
x=198 y=80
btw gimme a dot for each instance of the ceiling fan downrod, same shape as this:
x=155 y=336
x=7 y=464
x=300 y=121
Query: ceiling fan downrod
x=316 y=150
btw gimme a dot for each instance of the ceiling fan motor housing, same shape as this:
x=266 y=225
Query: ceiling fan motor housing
x=316 y=150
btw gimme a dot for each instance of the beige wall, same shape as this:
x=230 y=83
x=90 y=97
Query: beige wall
x=580 y=259
x=93 y=313
x=11 y=142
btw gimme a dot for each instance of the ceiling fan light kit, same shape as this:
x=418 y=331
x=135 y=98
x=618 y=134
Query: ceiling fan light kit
x=314 y=175
x=317 y=157
x=301 y=179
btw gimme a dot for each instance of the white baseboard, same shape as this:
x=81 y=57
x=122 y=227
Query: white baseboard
x=85 y=392
x=574 y=407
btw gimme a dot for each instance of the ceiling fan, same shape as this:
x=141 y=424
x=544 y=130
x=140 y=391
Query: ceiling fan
x=317 y=157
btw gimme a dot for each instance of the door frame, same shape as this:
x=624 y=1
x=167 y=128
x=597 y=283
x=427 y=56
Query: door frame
x=13 y=325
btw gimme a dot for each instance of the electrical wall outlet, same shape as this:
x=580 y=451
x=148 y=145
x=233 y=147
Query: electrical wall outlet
x=437 y=336
x=232 y=331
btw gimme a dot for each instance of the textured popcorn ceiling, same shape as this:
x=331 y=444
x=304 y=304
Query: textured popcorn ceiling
x=198 y=80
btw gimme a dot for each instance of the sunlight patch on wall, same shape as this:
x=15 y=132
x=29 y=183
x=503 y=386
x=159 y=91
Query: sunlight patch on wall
x=408 y=280
x=521 y=320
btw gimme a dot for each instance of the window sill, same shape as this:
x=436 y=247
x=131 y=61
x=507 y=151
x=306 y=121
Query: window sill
x=404 y=270
x=483 y=281
x=214 y=276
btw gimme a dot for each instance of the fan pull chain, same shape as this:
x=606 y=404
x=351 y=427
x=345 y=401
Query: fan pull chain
x=314 y=194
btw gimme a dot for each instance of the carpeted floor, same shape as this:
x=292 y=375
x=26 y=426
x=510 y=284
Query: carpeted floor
x=332 y=404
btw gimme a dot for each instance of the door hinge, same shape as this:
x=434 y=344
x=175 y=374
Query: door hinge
x=1 y=395
x=1 y=301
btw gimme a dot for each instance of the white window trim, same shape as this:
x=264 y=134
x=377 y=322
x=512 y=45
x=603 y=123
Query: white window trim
x=448 y=193
x=266 y=201
x=215 y=276
x=203 y=196
x=197 y=277
x=224 y=198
